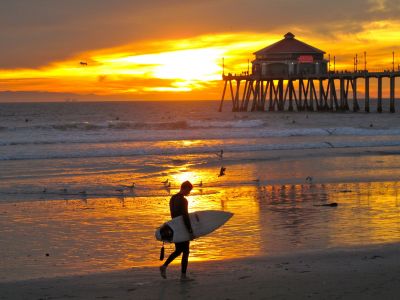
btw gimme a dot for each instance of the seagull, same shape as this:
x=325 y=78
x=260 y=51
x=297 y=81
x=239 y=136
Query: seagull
x=44 y=191
x=329 y=144
x=168 y=187
x=165 y=182
x=201 y=183
x=220 y=154
x=83 y=63
x=222 y=172
x=309 y=179
x=131 y=187
x=83 y=193
x=120 y=190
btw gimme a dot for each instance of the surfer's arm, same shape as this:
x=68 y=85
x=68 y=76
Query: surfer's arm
x=186 y=218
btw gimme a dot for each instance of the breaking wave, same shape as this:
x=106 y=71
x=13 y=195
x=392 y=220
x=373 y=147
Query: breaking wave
x=83 y=126
x=51 y=151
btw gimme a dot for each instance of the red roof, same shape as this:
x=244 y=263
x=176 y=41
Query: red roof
x=289 y=45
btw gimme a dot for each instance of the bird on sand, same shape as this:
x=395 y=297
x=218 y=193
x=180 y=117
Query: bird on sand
x=132 y=186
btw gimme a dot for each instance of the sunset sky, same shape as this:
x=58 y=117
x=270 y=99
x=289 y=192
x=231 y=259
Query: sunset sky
x=155 y=50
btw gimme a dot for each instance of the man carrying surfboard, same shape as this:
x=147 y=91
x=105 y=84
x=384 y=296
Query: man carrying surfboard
x=179 y=207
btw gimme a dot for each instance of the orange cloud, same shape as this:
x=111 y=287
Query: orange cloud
x=189 y=68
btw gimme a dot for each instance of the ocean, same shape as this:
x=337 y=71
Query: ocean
x=83 y=182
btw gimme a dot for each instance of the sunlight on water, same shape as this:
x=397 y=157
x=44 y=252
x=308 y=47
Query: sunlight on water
x=104 y=234
x=82 y=184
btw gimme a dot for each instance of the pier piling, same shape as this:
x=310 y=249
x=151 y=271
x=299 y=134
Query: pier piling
x=333 y=92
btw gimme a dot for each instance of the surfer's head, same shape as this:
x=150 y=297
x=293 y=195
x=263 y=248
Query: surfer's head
x=186 y=187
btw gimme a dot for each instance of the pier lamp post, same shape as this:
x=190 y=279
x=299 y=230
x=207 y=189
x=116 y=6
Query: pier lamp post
x=356 y=62
x=393 y=61
x=334 y=64
x=365 y=61
x=329 y=63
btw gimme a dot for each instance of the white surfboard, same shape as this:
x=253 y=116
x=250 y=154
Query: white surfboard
x=203 y=223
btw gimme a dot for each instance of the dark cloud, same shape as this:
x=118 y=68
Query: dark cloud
x=34 y=33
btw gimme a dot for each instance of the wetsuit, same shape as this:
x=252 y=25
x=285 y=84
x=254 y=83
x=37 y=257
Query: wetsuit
x=179 y=207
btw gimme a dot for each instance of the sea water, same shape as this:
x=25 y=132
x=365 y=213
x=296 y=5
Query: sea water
x=67 y=172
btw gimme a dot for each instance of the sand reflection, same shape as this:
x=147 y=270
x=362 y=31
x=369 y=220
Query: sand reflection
x=103 y=234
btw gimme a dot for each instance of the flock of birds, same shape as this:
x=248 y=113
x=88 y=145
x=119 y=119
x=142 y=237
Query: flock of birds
x=167 y=184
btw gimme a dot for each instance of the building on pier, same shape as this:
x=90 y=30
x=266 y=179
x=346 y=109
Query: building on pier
x=291 y=75
x=289 y=56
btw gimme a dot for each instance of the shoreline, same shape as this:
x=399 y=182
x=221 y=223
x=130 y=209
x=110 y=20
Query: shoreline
x=368 y=272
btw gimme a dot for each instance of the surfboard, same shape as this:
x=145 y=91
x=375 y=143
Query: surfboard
x=203 y=223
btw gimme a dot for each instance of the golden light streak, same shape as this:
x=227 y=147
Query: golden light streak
x=191 y=68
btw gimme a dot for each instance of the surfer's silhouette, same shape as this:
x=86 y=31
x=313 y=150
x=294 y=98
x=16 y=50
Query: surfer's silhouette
x=179 y=207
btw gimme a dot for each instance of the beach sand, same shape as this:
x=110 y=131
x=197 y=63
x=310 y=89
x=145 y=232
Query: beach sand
x=357 y=273
x=60 y=192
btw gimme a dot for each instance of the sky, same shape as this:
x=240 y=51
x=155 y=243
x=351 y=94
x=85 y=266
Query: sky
x=156 y=50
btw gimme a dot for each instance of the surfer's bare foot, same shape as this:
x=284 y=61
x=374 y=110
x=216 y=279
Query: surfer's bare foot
x=185 y=278
x=163 y=272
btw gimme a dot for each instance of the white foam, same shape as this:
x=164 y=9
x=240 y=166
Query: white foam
x=226 y=124
x=117 y=149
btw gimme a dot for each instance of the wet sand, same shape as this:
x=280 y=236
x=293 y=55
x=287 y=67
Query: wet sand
x=64 y=200
x=104 y=235
x=357 y=273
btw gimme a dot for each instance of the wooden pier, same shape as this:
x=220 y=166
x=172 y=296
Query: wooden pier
x=334 y=91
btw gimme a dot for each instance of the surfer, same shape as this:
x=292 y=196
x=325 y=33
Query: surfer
x=179 y=207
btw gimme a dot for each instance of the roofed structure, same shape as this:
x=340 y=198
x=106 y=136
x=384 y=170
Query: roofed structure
x=289 y=56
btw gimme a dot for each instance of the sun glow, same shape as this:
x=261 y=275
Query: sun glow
x=188 y=68
x=148 y=69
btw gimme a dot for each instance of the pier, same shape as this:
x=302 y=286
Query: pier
x=293 y=76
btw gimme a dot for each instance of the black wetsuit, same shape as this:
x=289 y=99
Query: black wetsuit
x=179 y=207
